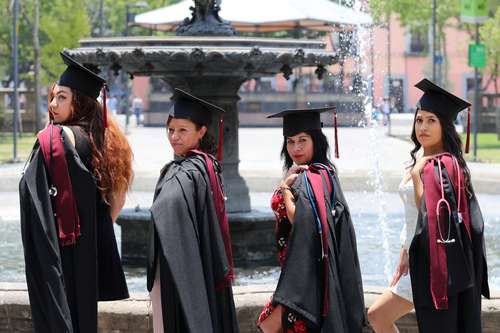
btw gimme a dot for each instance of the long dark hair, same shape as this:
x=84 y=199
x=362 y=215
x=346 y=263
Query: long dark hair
x=452 y=143
x=207 y=142
x=321 y=149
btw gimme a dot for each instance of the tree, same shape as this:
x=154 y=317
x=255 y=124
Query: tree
x=414 y=13
x=61 y=27
x=62 y=24
x=114 y=14
x=490 y=34
x=418 y=14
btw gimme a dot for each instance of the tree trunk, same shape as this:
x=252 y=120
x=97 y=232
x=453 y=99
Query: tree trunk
x=442 y=42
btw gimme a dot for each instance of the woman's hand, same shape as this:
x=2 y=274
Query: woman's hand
x=292 y=175
x=403 y=265
x=285 y=185
x=420 y=164
x=418 y=185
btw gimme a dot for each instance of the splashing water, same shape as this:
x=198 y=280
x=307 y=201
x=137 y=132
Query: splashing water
x=365 y=40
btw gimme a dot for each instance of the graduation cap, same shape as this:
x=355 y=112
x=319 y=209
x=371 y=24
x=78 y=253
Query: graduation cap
x=82 y=79
x=187 y=106
x=439 y=101
x=300 y=120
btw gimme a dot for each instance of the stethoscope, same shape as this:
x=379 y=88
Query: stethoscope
x=443 y=201
x=310 y=197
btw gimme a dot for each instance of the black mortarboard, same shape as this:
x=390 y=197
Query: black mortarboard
x=187 y=106
x=437 y=100
x=300 y=120
x=80 y=78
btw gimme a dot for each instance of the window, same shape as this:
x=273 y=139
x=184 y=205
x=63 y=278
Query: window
x=418 y=41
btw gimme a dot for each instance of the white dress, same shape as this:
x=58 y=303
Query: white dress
x=406 y=192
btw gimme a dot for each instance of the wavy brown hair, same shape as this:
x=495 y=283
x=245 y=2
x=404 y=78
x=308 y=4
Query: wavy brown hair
x=111 y=152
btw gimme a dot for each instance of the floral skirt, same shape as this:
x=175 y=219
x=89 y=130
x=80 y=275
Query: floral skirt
x=290 y=321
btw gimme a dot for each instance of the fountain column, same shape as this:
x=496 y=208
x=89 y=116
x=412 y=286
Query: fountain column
x=212 y=66
x=223 y=92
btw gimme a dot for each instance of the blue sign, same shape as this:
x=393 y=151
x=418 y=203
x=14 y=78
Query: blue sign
x=438 y=59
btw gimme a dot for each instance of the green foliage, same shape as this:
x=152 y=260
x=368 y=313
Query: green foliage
x=414 y=13
x=62 y=24
x=115 y=13
x=62 y=28
x=490 y=35
x=417 y=14
x=24 y=144
x=380 y=9
x=24 y=50
x=488 y=148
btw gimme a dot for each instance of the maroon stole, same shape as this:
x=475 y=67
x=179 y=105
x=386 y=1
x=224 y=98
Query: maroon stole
x=315 y=175
x=437 y=205
x=61 y=190
x=220 y=210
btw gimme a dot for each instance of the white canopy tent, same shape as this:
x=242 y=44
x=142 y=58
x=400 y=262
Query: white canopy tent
x=263 y=15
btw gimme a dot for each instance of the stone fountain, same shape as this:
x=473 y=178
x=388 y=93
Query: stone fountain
x=207 y=59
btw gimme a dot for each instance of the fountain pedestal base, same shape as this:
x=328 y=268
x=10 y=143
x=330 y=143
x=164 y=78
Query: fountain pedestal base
x=252 y=237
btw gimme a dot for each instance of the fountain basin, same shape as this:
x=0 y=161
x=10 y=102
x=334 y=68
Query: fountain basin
x=252 y=237
x=237 y=57
x=212 y=68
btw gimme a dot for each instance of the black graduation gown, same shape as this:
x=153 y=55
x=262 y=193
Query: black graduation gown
x=65 y=283
x=300 y=286
x=467 y=272
x=186 y=240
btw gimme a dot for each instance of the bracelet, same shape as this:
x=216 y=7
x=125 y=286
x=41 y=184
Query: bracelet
x=285 y=188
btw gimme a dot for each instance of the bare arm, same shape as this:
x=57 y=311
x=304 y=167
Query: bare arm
x=402 y=268
x=116 y=204
x=418 y=186
x=289 y=202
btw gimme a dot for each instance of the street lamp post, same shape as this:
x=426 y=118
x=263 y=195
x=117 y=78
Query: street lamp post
x=389 y=83
x=101 y=18
x=15 y=98
x=433 y=53
x=127 y=18
x=477 y=101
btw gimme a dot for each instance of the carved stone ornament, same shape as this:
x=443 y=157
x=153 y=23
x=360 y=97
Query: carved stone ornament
x=205 y=21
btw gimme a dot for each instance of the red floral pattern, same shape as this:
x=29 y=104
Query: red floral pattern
x=282 y=230
x=299 y=326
